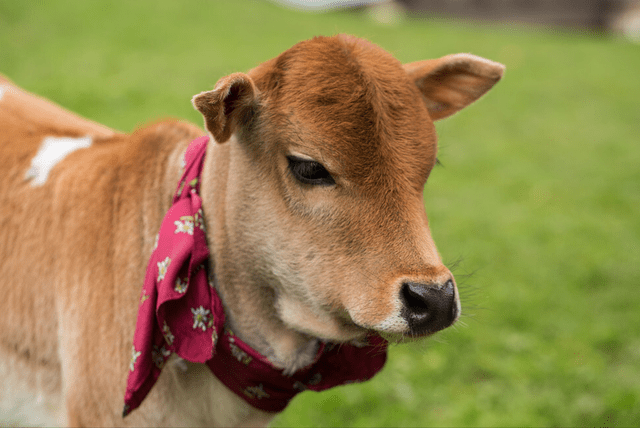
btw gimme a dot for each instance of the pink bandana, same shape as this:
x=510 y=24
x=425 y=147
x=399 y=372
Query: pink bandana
x=181 y=312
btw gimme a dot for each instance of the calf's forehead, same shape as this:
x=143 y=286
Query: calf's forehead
x=353 y=102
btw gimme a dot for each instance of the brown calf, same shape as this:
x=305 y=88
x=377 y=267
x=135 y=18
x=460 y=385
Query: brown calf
x=312 y=194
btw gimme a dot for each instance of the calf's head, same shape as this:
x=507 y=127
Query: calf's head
x=330 y=145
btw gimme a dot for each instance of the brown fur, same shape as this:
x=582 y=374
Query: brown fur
x=293 y=263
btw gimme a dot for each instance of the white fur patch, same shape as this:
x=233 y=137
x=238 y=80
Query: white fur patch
x=29 y=396
x=52 y=151
x=392 y=324
x=395 y=322
x=3 y=89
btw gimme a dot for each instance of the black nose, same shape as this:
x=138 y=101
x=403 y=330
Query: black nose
x=428 y=307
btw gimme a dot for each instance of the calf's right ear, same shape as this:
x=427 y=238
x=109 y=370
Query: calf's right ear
x=229 y=104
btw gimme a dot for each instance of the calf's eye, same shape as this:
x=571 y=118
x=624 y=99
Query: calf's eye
x=309 y=172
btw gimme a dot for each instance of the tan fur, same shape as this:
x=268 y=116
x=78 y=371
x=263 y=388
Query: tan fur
x=293 y=263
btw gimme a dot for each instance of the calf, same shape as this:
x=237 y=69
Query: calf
x=311 y=194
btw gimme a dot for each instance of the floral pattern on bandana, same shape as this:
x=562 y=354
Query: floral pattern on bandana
x=160 y=355
x=256 y=392
x=198 y=220
x=201 y=318
x=184 y=225
x=163 y=266
x=144 y=296
x=251 y=376
x=178 y=316
x=134 y=357
x=181 y=285
x=166 y=332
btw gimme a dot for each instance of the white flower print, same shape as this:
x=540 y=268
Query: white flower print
x=162 y=268
x=144 y=296
x=193 y=183
x=198 y=219
x=184 y=225
x=167 y=333
x=214 y=338
x=134 y=357
x=159 y=355
x=155 y=244
x=239 y=354
x=181 y=285
x=179 y=192
x=256 y=392
x=201 y=318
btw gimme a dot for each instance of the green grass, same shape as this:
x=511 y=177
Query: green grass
x=539 y=195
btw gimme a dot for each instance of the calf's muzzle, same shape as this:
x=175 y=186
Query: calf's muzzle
x=429 y=308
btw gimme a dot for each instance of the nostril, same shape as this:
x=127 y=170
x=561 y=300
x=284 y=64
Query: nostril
x=428 y=307
x=415 y=297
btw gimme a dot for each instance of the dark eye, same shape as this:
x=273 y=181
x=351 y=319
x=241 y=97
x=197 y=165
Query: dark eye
x=309 y=172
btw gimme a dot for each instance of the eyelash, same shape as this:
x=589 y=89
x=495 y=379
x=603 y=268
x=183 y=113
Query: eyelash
x=309 y=172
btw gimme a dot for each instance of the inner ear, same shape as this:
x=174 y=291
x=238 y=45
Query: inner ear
x=230 y=104
x=450 y=83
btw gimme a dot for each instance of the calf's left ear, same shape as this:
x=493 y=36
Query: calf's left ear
x=228 y=105
x=450 y=83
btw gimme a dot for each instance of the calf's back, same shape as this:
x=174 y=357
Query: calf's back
x=71 y=247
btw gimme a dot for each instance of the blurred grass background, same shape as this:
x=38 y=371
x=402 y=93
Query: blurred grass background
x=538 y=198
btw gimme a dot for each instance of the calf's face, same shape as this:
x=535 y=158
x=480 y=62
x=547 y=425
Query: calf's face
x=332 y=144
